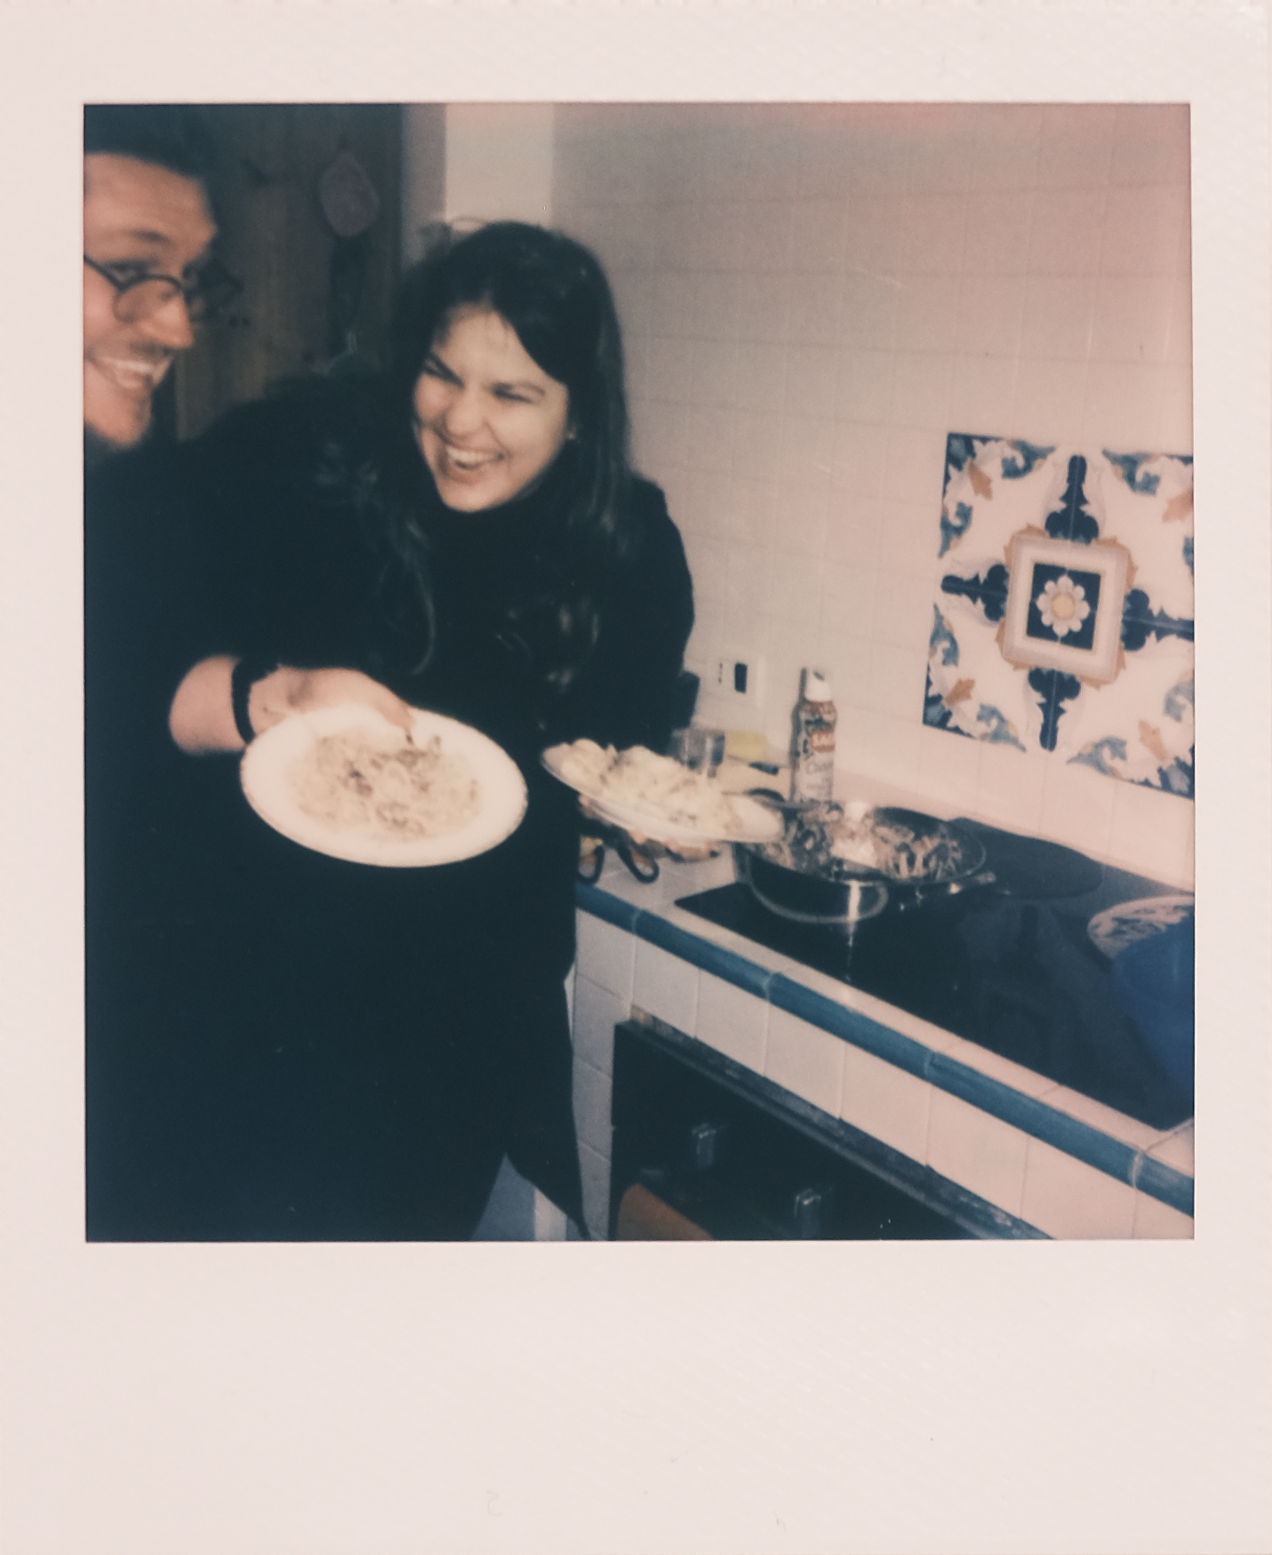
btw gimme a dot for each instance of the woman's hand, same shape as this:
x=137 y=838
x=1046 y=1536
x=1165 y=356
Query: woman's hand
x=201 y=718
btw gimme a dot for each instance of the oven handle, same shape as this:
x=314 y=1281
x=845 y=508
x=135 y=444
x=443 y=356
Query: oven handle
x=644 y=1217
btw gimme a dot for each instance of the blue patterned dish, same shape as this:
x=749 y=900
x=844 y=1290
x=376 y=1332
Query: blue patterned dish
x=1126 y=924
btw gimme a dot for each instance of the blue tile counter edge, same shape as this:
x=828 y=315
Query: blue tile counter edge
x=601 y=904
x=1032 y=1116
x=815 y=1008
x=725 y=964
x=1161 y=1181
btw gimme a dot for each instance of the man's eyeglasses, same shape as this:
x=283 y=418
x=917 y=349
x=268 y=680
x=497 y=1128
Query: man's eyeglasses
x=137 y=296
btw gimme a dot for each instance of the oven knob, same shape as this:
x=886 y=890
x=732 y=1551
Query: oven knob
x=809 y=1209
x=705 y=1142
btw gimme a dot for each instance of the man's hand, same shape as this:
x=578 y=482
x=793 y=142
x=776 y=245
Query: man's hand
x=286 y=691
x=201 y=718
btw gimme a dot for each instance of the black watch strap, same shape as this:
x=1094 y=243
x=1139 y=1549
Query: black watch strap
x=243 y=677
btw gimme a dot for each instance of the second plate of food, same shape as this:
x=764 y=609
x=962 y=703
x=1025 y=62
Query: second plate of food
x=346 y=782
x=655 y=796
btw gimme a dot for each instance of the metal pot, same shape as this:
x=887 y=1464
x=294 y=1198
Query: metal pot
x=799 y=878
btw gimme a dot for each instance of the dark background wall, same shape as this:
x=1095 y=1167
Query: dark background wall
x=310 y=297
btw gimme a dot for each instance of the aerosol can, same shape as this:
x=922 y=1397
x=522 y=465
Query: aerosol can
x=813 y=744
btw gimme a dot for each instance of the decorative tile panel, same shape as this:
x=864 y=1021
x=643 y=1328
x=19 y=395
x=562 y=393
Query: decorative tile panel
x=1063 y=620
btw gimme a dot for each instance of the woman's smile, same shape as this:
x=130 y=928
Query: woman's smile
x=467 y=462
x=489 y=421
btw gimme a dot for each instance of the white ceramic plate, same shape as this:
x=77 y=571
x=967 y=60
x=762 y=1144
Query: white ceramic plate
x=270 y=762
x=759 y=825
x=1117 y=927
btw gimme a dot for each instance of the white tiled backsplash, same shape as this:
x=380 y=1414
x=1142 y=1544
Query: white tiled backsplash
x=812 y=297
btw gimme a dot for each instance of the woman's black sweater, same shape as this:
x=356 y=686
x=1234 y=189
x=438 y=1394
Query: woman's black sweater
x=286 y=1045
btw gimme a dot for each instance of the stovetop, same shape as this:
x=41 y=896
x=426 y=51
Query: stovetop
x=1010 y=967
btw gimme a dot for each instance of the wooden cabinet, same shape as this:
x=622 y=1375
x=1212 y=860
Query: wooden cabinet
x=309 y=295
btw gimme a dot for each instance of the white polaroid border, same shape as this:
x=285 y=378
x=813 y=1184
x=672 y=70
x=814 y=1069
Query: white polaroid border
x=552 y=1398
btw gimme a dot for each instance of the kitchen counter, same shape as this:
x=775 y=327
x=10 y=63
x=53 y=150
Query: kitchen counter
x=1039 y=1152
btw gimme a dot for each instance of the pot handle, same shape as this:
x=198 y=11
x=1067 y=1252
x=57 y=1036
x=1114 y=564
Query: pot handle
x=645 y=869
x=590 y=864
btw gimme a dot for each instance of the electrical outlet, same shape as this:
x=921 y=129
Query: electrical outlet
x=735 y=676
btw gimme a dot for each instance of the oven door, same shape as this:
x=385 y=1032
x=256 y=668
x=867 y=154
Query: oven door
x=705 y=1149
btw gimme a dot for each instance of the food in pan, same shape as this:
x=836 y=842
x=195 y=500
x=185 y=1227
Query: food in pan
x=361 y=780
x=843 y=843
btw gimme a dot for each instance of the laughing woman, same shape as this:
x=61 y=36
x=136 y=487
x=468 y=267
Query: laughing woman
x=350 y=1051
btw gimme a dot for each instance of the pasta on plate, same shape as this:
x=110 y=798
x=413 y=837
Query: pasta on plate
x=639 y=786
x=359 y=780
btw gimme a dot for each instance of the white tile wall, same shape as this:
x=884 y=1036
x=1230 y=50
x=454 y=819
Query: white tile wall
x=1067 y=1198
x=1158 y=1220
x=886 y=1102
x=794 y=282
x=607 y=955
x=596 y=1012
x=983 y=1154
x=592 y=1107
x=733 y=1021
x=596 y=1185
x=805 y=1060
x=666 y=987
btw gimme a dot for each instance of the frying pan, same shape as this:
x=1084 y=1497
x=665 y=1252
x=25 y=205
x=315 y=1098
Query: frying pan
x=799 y=878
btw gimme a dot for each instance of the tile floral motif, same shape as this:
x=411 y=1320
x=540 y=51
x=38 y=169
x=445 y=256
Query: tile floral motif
x=1063 y=620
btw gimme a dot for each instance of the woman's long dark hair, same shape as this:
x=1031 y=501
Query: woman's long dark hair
x=554 y=294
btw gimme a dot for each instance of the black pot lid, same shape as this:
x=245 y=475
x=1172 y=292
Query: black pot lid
x=1031 y=867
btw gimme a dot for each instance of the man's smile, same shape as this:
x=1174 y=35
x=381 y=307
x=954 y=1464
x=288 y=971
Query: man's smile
x=134 y=373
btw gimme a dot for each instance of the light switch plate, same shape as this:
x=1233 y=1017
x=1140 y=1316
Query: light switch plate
x=735 y=676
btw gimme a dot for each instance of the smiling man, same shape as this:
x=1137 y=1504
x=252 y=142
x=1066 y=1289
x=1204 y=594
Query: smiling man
x=148 y=232
x=142 y=223
x=148 y=281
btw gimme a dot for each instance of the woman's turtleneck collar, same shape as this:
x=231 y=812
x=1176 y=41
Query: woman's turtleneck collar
x=491 y=568
x=516 y=528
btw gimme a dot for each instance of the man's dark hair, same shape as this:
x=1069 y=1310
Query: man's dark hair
x=171 y=135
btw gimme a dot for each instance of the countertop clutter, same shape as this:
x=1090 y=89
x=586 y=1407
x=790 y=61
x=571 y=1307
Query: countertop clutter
x=974 y=1043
